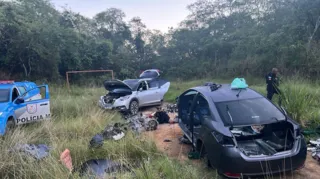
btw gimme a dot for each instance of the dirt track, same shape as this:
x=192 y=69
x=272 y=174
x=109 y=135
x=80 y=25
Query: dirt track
x=179 y=151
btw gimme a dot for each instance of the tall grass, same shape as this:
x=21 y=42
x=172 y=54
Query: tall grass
x=301 y=98
x=76 y=119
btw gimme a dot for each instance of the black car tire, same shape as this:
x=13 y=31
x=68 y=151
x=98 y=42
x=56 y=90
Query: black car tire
x=10 y=124
x=205 y=158
x=134 y=107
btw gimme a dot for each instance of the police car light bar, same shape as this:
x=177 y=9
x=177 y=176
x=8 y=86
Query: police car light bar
x=6 y=81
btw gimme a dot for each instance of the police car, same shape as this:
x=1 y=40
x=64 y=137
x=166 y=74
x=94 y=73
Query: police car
x=22 y=103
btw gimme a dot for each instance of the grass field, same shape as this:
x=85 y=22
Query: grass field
x=76 y=118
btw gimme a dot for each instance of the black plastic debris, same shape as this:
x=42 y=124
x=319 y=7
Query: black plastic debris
x=97 y=141
x=101 y=168
x=113 y=132
x=36 y=151
x=162 y=117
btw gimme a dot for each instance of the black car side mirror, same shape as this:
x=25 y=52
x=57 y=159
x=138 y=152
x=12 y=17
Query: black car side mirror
x=19 y=101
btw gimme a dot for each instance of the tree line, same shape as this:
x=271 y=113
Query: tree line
x=218 y=38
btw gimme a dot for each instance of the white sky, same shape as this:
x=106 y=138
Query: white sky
x=156 y=14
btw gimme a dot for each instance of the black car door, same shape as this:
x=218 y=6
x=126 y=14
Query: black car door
x=185 y=110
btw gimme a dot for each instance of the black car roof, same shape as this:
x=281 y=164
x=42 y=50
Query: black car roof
x=225 y=93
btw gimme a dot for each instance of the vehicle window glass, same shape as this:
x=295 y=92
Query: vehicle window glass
x=132 y=83
x=149 y=74
x=185 y=102
x=248 y=112
x=15 y=94
x=35 y=94
x=143 y=86
x=202 y=110
x=22 y=89
x=4 y=95
x=153 y=84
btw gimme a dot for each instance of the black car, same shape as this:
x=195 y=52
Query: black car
x=240 y=132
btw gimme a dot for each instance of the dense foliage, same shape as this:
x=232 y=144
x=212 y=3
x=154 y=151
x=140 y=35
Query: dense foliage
x=219 y=37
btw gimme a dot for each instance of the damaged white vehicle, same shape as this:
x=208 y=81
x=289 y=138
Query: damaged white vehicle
x=130 y=95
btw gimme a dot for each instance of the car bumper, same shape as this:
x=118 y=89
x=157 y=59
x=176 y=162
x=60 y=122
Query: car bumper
x=109 y=106
x=232 y=163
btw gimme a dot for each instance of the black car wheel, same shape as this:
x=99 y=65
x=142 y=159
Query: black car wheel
x=10 y=124
x=204 y=155
x=134 y=107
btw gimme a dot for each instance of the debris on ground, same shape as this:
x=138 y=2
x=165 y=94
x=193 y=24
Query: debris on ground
x=36 y=151
x=162 y=117
x=94 y=167
x=172 y=108
x=114 y=132
x=101 y=168
x=314 y=148
x=140 y=122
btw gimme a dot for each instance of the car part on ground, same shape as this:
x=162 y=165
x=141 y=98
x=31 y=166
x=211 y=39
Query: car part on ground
x=36 y=151
x=93 y=168
x=101 y=168
x=235 y=123
x=162 y=117
x=171 y=108
x=132 y=94
x=314 y=148
x=136 y=123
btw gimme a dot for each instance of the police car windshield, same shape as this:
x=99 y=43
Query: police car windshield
x=248 y=112
x=4 y=95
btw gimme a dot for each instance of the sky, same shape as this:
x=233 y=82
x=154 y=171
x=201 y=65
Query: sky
x=156 y=14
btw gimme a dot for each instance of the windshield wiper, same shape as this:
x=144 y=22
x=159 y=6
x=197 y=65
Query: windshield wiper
x=230 y=117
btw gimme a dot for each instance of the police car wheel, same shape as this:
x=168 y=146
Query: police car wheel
x=10 y=124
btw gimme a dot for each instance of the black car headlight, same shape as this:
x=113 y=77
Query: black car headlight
x=222 y=139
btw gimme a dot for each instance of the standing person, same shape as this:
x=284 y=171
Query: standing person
x=272 y=83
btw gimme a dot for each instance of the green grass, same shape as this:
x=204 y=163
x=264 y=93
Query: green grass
x=77 y=118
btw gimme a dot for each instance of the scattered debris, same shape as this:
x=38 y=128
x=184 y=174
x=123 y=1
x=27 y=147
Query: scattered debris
x=162 y=117
x=36 y=151
x=113 y=132
x=140 y=123
x=97 y=141
x=172 y=108
x=314 y=148
x=94 y=167
x=101 y=167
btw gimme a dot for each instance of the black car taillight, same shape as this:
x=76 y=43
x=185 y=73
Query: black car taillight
x=223 y=140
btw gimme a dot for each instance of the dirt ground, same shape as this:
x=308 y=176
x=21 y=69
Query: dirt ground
x=175 y=149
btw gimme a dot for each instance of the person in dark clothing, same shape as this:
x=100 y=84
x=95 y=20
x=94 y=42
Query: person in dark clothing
x=272 y=83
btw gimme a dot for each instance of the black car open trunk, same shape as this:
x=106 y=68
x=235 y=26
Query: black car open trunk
x=273 y=138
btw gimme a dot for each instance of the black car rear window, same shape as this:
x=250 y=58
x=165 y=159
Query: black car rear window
x=4 y=95
x=248 y=112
